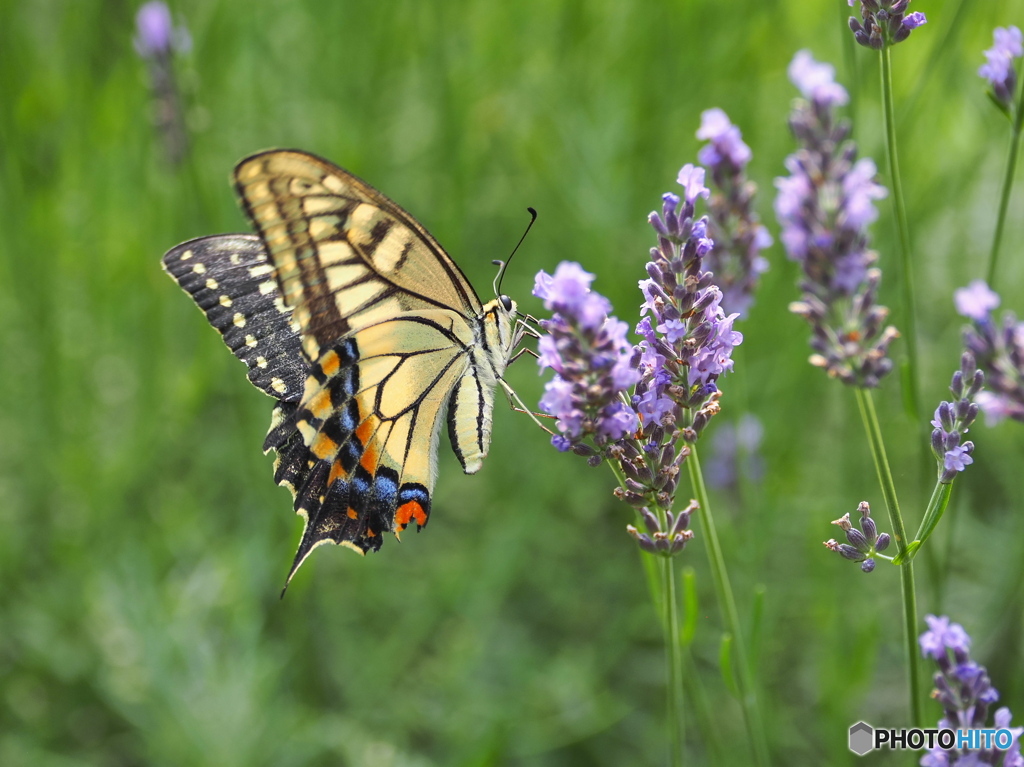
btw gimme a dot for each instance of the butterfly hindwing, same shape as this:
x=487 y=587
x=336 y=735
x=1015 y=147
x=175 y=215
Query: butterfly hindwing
x=369 y=421
x=229 y=278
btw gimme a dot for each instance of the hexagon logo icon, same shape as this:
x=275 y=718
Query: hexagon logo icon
x=861 y=738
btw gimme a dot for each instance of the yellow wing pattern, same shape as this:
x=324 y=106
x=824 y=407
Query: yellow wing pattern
x=394 y=337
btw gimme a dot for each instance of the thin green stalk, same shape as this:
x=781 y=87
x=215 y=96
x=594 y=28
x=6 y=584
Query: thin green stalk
x=674 y=662
x=936 y=508
x=1004 y=200
x=669 y=613
x=849 y=57
x=727 y=604
x=899 y=535
x=910 y=382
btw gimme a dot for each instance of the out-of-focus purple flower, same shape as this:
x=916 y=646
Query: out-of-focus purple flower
x=998 y=348
x=156 y=40
x=943 y=635
x=155 y=33
x=863 y=545
x=824 y=207
x=885 y=22
x=976 y=301
x=733 y=226
x=953 y=420
x=735 y=451
x=591 y=358
x=966 y=694
x=999 y=68
x=816 y=81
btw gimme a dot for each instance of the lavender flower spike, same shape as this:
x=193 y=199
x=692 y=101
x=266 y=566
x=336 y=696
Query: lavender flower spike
x=824 y=207
x=733 y=225
x=886 y=22
x=966 y=694
x=591 y=358
x=1000 y=69
x=998 y=348
x=863 y=544
x=156 y=41
x=688 y=339
x=953 y=419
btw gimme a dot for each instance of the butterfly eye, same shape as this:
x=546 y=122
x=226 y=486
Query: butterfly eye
x=506 y=302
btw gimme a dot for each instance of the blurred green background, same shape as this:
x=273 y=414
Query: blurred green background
x=144 y=543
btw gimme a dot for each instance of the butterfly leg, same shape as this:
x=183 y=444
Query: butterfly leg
x=513 y=400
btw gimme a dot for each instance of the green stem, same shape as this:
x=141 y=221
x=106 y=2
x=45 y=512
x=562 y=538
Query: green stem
x=912 y=397
x=674 y=662
x=1004 y=200
x=727 y=603
x=669 y=613
x=899 y=535
x=936 y=508
x=849 y=57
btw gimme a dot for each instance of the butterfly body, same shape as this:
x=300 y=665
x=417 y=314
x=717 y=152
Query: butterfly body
x=369 y=336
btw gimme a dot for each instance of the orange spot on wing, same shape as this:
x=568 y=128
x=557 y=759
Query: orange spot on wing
x=323 y=446
x=337 y=472
x=320 y=404
x=330 y=363
x=369 y=458
x=410 y=510
x=352 y=513
x=366 y=429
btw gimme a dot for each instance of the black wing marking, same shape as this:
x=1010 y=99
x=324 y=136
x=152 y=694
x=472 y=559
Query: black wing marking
x=230 y=279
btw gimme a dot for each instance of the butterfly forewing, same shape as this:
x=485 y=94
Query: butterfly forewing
x=345 y=255
x=229 y=278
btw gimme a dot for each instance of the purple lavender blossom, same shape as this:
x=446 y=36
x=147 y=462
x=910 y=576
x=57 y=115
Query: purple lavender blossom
x=733 y=226
x=998 y=348
x=885 y=22
x=688 y=339
x=863 y=545
x=666 y=542
x=976 y=301
x=966 y=694
x=591 y=358
x=824 y=207
x=953 y=419
x=156 y=41
x=156 y=34
x=687 y=345
x=999 y=68
x=816 y=81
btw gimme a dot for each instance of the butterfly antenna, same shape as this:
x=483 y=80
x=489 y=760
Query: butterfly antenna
x=503 y=265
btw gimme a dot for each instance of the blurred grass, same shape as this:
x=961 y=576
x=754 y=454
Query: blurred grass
x=144 y=542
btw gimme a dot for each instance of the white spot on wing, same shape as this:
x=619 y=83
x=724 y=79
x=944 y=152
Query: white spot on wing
x=250 y=341
x=186 y=255
x=199 y=269
x=239 y=320
x=261 y=362
x=278 y=385
x=225 y=301
x=211 y=283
